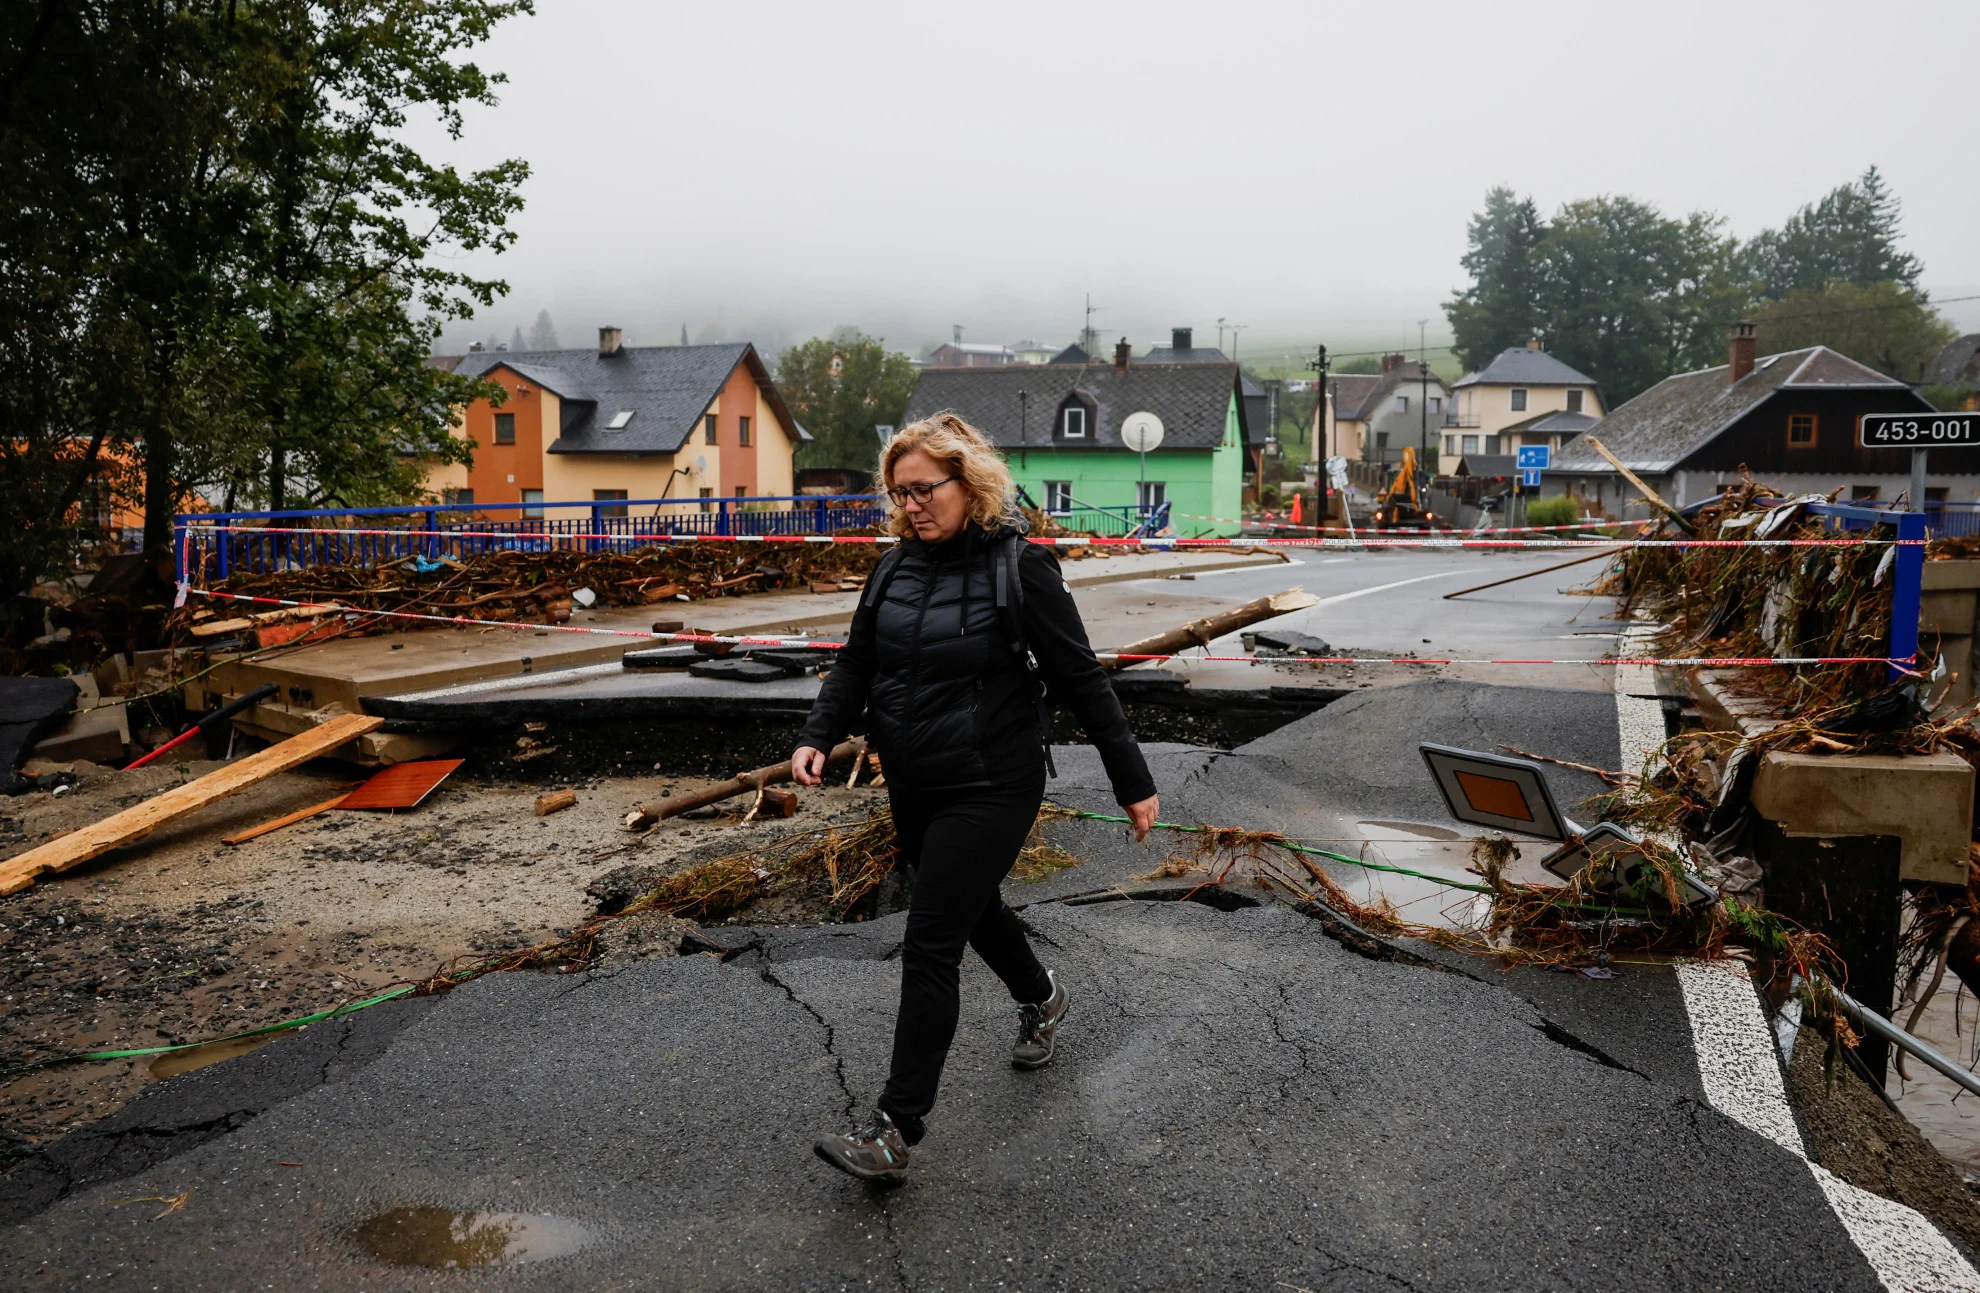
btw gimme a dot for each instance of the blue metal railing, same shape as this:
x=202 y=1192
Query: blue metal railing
x=214 y=545
x=1907 y=569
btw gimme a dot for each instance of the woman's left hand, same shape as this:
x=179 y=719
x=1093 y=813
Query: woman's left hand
x=1141 y=816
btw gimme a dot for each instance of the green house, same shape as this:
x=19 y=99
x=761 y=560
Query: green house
x=1059 y=427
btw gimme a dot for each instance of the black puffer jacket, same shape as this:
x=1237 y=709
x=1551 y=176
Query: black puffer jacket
x=947 y=703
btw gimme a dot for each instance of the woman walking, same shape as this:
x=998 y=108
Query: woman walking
x=958 y=633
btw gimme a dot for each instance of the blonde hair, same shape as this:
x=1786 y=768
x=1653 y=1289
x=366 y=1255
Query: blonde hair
x=960 y=450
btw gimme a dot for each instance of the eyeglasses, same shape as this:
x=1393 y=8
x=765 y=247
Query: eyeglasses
x=920 y=491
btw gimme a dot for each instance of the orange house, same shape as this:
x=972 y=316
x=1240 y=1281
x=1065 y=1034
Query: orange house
x=623 y=422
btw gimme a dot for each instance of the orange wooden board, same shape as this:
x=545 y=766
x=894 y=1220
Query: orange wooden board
x=403 y=785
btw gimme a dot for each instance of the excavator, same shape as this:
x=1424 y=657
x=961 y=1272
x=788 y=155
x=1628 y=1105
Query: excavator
x=1401 y=503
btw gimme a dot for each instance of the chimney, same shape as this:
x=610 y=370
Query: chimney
x=1533 y=343
x=1391 y=362
x=1179 y=341
x=1124 y=352
x=1739 y=361
x=475 y=347
x=608 y=343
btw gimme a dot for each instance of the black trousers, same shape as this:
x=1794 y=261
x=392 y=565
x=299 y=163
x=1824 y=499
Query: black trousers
x=961 y=845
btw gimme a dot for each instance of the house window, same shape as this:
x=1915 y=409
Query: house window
x=742 y=491
x=1436 y=404
x=1518 y=400
x=1471 y=444
x=706 y=492
x=1072 y=422
x=1151 y=494
x=606 y=496
x=1492 y=443
x=1864 y=493
x=1058 y=496
x=1402 y=403
x=619 y=420
x=1801 y=430
x=533 y=496
x=505 y=428
x=708 y=430
x=742 y=432
x=1574 y=402
x=1450 y=444
x=458 y=497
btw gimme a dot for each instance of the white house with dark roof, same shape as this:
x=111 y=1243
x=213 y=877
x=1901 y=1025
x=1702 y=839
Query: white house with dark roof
x=1372 y=417
x=622 y=422
x=1502 y=405
x=1788 y=419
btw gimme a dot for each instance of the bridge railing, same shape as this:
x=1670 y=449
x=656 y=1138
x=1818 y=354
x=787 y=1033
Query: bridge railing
x=215 y=545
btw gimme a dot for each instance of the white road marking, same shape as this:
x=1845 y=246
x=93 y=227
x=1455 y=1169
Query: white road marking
x=1741 y=1072
x=1338 y=598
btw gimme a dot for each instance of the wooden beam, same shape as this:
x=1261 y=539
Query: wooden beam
x=214 y=628
x=1201 y=632
x=1656 y=500
x=660 y=809
x=276 y=824
x=134 y=823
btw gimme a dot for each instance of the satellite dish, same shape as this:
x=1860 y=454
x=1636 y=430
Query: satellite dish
x=701 y=464
x=1142 y=432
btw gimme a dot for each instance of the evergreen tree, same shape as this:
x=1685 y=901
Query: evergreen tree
x=543 y=333
x=1501 y=307
x=1849 y=236
x=516 y=342
x=1885 y=325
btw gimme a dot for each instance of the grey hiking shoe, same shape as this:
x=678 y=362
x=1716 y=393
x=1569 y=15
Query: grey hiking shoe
x=875 y=1152
x=1036 y=1024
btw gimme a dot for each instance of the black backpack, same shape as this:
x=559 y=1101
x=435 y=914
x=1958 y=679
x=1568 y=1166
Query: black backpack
x=1009 y=594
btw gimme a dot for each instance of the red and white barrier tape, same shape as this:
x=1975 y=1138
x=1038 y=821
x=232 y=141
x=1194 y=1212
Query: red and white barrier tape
x=1157 y=543
x=1273 y=518
x=727 y=639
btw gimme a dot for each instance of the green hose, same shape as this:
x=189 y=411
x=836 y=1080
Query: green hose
x=284 y=1026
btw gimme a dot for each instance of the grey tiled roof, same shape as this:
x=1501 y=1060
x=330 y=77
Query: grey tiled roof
x=1488 y=464
x=667 y=388
x=1559 y=422
x=1072 y=354
x=1522 y=366
x=1679 y=415
x=1956 y=364
x=1381 y=386
x=1191 y=400
x=1351 y=392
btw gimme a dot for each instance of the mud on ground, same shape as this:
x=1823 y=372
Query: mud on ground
x=181 y=938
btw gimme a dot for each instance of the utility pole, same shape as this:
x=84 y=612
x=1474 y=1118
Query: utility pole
x=1220 y=332
x=1319 y=366
x=1235 y=329
x=1086 y=337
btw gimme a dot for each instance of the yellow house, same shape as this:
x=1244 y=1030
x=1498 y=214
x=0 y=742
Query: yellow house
x=623 y=423
x=1525 y=396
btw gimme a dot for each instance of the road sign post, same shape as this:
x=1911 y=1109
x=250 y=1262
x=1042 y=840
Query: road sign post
x=1532 y=459
x=1919 y=432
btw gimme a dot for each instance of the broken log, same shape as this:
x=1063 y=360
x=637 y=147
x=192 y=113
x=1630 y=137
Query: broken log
x=661 y=809
x=1202 y=632
x=1650 y=495
x=276 y=824
x=555 y=801
x=17 y=873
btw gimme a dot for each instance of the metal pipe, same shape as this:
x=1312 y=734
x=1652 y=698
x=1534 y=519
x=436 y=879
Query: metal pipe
x=1891 y=1033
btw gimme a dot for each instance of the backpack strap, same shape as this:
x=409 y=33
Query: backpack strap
x=876 y=584
x=1009 y=588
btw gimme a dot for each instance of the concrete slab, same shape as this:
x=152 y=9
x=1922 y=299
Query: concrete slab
x=1925 y=800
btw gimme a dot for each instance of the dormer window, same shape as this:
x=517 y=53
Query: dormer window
x=620 y=419
x=1072 y=422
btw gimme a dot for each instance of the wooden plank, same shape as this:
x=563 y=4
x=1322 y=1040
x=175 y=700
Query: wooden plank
x=1650 y=495
x=17 y=873
x=213 y=628
x=287 y=819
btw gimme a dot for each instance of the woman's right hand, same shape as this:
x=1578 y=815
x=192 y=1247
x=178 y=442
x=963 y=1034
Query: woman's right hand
x=808 y=765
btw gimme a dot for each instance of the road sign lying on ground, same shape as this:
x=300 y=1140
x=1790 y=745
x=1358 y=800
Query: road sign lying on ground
x=1496 y=790
x=1615 y=861
x=1919 y=430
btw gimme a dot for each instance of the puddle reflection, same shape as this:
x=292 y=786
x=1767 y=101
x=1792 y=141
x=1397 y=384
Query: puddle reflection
x=443 y=1238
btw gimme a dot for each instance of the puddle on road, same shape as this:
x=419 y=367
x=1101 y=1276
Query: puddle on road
x=173 y=1063
x=444 y=1238
x=1435 y=850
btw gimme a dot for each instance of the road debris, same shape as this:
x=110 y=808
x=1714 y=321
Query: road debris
x=555 y=801
x=403 y=785
x=20 y=871
x=286 y=819
x=1201 y=632
x=661 y=809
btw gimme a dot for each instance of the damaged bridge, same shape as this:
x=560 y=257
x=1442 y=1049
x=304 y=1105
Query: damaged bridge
x=1246 y=1097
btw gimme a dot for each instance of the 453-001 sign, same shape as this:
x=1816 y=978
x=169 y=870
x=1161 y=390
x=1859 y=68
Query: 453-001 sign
x=1919 y=430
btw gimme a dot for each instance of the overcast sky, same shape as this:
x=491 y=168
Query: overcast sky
x=773 y=170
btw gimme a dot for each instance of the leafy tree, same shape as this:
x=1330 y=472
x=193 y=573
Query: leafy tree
x=543 y=333
x=221 y=260
x=1886 y=325
x=1501 y=308
x=1366 y=364
x=1849 y=236
x=839 y=389
x=1629 y=296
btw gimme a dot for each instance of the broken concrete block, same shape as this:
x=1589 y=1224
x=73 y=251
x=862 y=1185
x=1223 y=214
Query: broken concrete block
x=1287 y=641
x=638 y=937
x=666 y=657
x=99 y=735
x=741 y=670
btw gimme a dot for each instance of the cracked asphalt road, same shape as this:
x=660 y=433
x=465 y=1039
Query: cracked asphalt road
x=1240 y=1102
